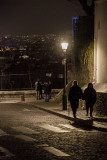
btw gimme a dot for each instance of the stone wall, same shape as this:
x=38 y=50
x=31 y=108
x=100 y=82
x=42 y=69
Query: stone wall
x=101 y=104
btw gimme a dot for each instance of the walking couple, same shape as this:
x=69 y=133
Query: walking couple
x=89 y=95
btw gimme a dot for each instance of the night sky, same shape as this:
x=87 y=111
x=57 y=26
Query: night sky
x=38 y=16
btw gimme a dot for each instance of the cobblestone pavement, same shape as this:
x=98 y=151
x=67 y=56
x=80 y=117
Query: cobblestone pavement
x=99 y=123
x=27 y=133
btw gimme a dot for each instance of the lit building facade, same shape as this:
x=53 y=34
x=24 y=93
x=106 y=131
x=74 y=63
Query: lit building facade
x=100 y=42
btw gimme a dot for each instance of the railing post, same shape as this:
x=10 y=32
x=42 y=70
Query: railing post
x=22 y=97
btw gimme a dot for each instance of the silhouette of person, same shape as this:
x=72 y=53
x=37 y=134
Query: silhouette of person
x=37 y=88
x=40 y=89
x=89 y=96
x=46 y=91
x=75 y=93
x=50 y=88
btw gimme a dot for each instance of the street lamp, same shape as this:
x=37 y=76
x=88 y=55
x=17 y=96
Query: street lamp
x=64 y=97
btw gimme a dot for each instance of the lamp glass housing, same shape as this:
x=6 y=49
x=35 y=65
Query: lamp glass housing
x=64 y=46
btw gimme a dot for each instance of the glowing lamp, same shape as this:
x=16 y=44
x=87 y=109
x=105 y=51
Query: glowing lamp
x=64 y=46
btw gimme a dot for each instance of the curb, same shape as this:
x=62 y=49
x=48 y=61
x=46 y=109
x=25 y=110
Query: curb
x=81 y=122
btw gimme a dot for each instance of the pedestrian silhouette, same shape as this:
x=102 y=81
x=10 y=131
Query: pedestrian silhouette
x=40 y=89
x=46 y=91
x=37 y=88
x=50 y=88
x=89 y=96
x=75 y=93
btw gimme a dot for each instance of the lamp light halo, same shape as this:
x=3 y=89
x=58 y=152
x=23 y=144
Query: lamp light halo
x=64 y=45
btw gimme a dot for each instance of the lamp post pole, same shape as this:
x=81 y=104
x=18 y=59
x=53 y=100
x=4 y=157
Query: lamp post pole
x=64 y=97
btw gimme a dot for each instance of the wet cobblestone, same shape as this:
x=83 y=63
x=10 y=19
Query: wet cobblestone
x=81 y=144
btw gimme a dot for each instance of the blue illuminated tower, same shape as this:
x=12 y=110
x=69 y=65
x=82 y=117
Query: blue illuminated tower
x=74 y=25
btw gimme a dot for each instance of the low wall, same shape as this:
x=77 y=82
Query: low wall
x=27 y=94
x=101 y=104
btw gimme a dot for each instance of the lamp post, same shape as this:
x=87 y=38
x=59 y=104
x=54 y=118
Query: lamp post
x=64 y=97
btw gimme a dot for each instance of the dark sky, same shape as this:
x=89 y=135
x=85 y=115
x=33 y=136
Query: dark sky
x=38 y=16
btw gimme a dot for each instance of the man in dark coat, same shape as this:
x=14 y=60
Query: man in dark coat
x=46 y=91
x=90 y=98
x=75 y=94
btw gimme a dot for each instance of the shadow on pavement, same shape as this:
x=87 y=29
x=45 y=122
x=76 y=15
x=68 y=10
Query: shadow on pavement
x=87 y=125
x=78 y=126
x=83 y=122
x=100 y=119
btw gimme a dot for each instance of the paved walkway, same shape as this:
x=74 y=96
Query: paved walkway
x=99 y=123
